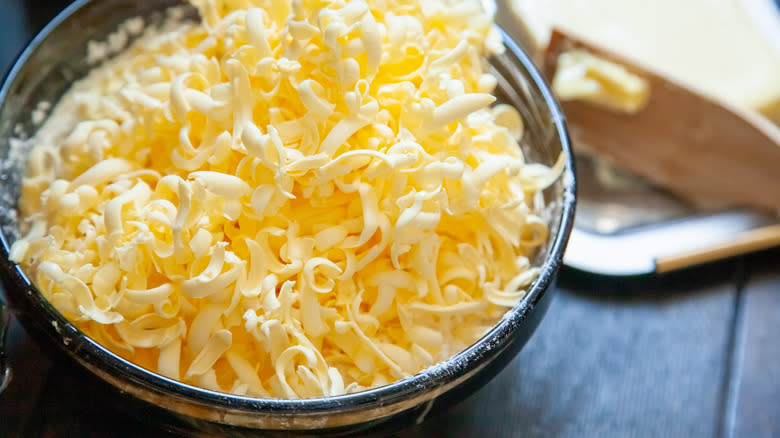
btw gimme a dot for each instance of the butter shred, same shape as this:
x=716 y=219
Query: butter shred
x=287 y=199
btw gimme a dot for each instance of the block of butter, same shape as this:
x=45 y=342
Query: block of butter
x=727 y=49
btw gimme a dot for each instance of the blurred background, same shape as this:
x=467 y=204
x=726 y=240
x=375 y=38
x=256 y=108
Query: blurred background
x=688 y=353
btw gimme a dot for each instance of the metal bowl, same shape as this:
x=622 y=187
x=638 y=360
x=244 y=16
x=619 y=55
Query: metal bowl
x=57 y=57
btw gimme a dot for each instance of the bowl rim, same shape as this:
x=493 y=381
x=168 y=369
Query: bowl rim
x=444 y=373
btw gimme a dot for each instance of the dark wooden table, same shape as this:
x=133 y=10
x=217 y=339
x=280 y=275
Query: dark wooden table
x=693 y=354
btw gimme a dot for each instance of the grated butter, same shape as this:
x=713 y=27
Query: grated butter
x=301 y=199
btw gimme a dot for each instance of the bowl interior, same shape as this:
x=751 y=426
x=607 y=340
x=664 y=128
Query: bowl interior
x=57 y=57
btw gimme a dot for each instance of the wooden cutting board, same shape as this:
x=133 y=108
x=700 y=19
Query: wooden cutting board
x=693 y=145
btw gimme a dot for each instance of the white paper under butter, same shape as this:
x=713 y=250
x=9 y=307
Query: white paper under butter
x=729 y=49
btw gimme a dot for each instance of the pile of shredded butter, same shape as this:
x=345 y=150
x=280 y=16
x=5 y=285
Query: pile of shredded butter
x=288 y=199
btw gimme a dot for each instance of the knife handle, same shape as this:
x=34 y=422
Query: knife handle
x=748 y=241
